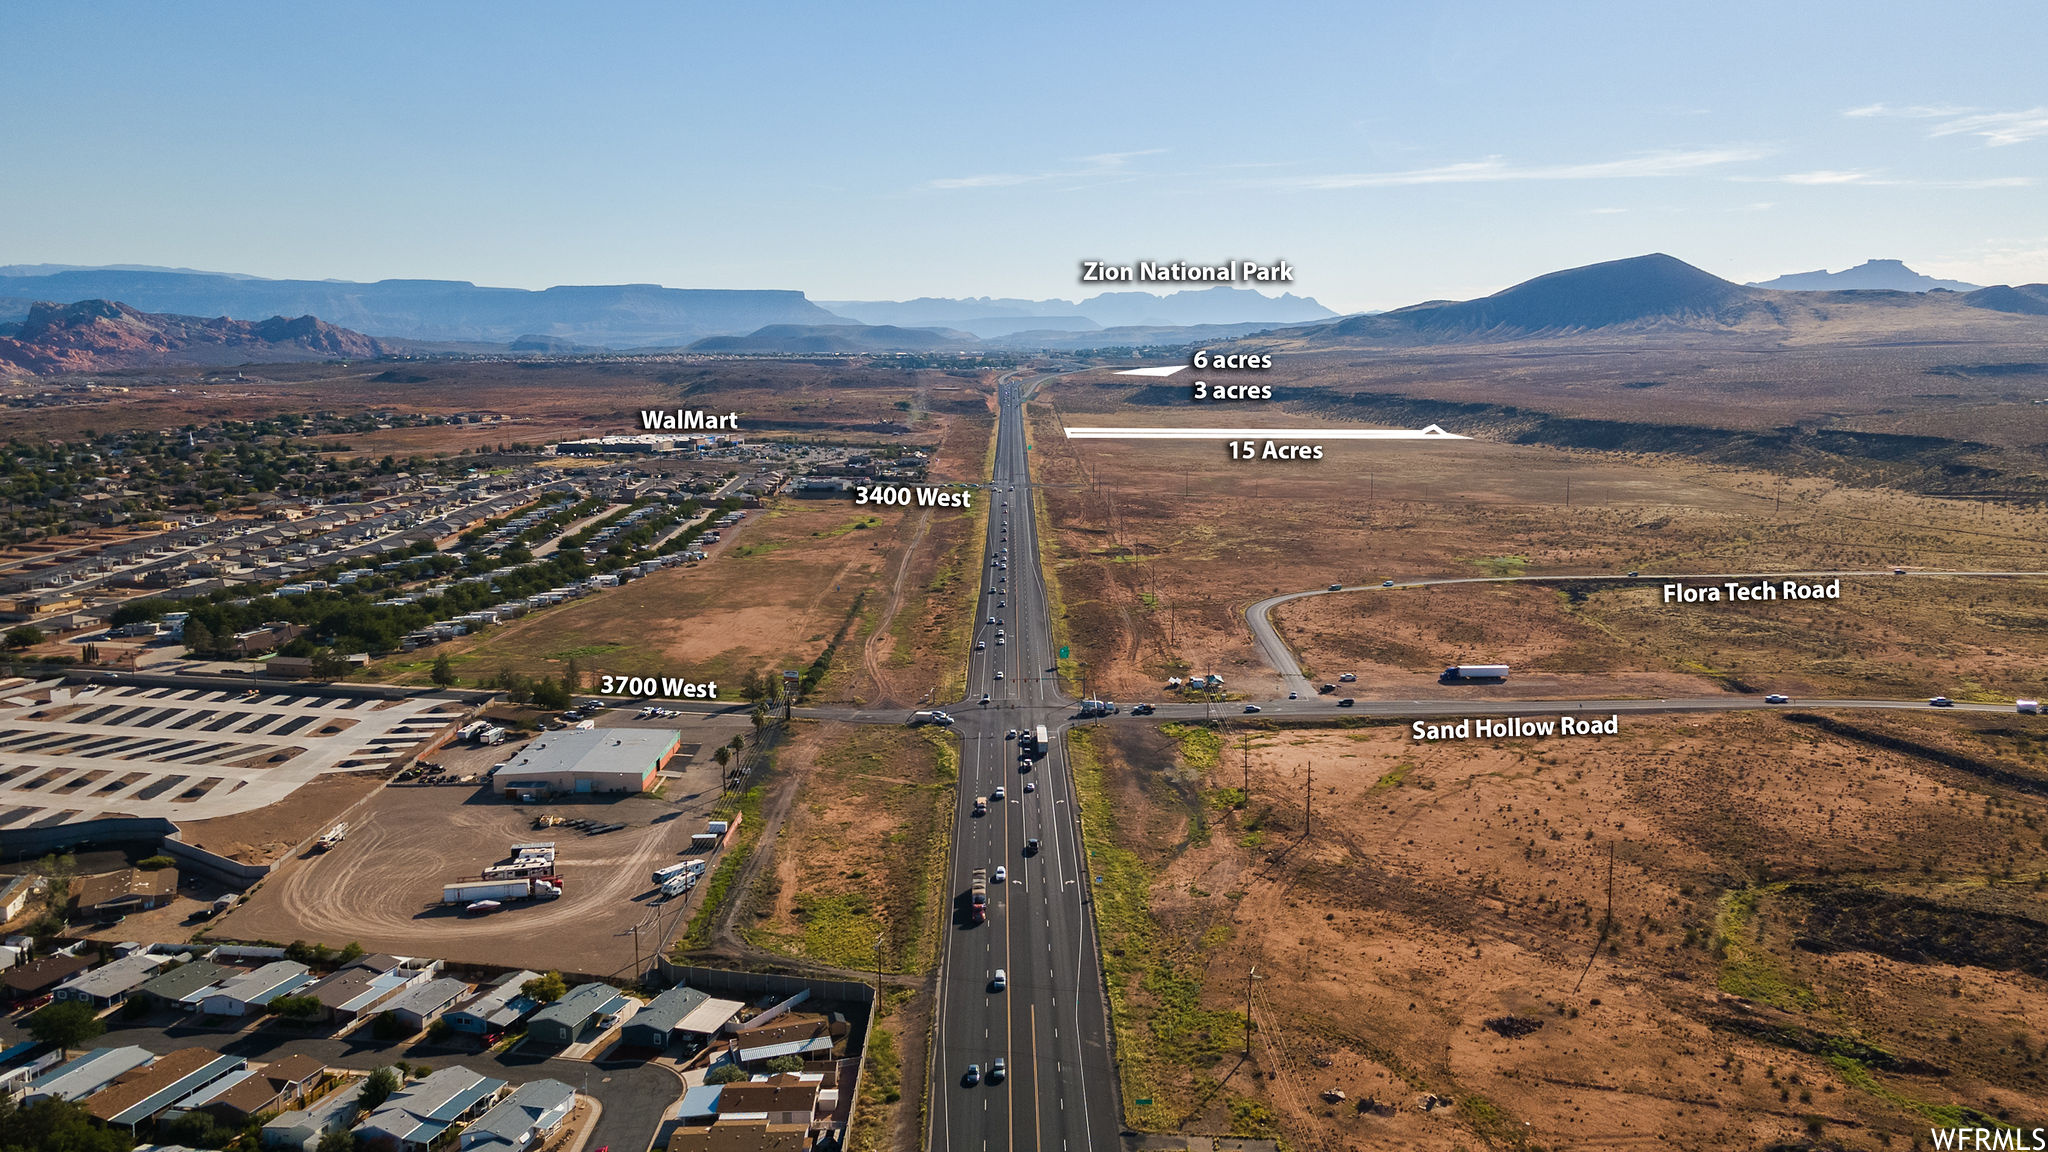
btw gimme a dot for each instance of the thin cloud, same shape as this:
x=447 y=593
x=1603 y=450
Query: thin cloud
x=1832 y=177
x=1497 y=170
x=1087 y=167
x=1998 y=129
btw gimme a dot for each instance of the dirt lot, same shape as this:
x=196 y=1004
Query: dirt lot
x=1886 y=636
x=862 y=853
x=1812 y=930
x=1160 y=546
x=267 y=833
x=382 y=885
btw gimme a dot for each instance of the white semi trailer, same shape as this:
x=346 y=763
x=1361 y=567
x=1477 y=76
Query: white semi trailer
x=1476 y=672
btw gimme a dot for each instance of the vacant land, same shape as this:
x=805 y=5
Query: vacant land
x=1727 y=933
x=1887 y=636
x=1159 y=546
x=858 y=867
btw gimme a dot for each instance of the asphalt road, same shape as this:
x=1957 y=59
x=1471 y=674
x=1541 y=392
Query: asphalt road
x=1281 y=658
x=1051 y=1025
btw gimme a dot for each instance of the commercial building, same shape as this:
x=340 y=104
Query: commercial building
x=560 y=1022
x=588 y=760
x=418 y=1114
x=533 y=1112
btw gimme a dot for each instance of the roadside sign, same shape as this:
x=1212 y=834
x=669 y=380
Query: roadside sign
x=1063 y=651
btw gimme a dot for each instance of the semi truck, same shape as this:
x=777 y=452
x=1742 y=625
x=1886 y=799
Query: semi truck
x=525 y=888
x=333 y=836
x=1092 y=708
x=1476 y=672
x=977 y=894
x=932 y=717
x=1035 y=741
x=686 y=868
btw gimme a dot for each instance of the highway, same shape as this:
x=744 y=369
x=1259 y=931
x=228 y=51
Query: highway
x=1281 y=658
x=1050 y=1026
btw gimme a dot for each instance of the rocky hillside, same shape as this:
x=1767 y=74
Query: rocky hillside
x=100 y=335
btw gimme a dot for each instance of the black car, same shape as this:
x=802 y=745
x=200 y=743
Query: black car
x=1142 y=710
x=1344 y=703
x=1326 y=689
x=1031 y=846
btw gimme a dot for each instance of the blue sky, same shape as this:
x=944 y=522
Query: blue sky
x=1391 y=152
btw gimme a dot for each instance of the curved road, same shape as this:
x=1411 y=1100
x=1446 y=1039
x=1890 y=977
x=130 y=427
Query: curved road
x=1281 y=657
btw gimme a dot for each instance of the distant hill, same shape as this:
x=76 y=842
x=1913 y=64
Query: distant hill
x=987 y=316
x=816 y=339
x=1891 y=275
x=99 y=335
x=2027 y=299
x=611 y=315
x=1642 y=291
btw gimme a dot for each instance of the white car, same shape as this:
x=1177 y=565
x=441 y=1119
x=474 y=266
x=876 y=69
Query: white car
x=1010 y=735
x=1002 y=874
x=979 y=645
x=1775 y=698
x=1031 y=785
x=997 y=794
x=991 y=619
x=999 y=675
x=1000 y=641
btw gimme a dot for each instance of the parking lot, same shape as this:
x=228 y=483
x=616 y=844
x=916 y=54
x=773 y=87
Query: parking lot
x=188 y=753
x=382 y=886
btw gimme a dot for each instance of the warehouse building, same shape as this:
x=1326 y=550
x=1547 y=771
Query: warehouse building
x=588 y=760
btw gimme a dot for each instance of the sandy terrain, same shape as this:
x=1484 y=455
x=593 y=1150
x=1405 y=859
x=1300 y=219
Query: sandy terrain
x=1162 y=545
x=1447 y=885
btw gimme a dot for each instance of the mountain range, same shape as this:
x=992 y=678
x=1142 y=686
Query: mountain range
x=1884 y=275
x=616 y=316
x=98 y=335
x=995 y=317
x=1657 y=293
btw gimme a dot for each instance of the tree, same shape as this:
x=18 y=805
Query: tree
x=443 y=673
x=65 y=1023
x=725 y=1074
x=548 y=694
x=572 y=676
x=301 y=1008
x=723 y=756
x=377 y=1088
x=329 y=665
x=53 y=1125
x=336 y=1140
x=26 y=636
x=198 y=637
x=545 y=989
x=791 y=1063
x=351 y=952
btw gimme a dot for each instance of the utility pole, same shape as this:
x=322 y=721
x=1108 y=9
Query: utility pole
x=1249 y=976
x=1308 y=799
x=1247 y=770
x=1567 y=491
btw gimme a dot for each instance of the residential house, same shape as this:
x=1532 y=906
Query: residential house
x=113 y=982
x=175 y=987
x=496 y=1008
x=418 y=1114
x=528 y=1117
x=420 y=1006
x=41 y=977
x=652 y=1026
x=251 y=993
x=87 y=1074
x=586 y=1004
x=142 y=1095
x=129 y=890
